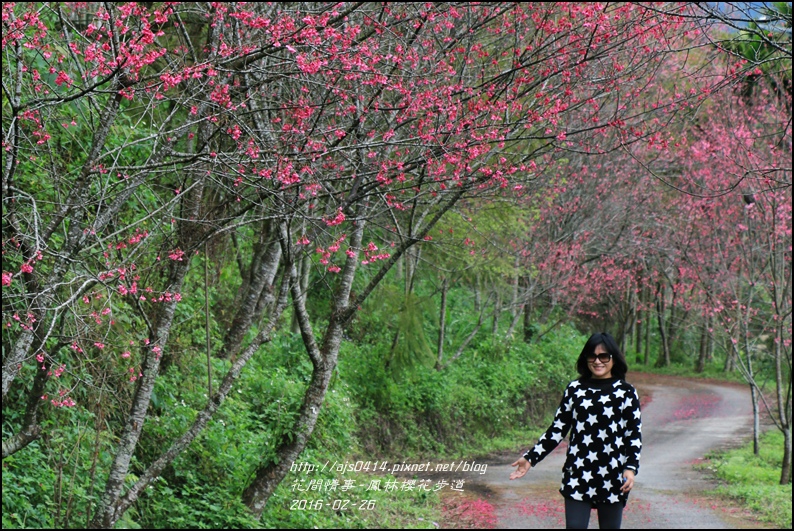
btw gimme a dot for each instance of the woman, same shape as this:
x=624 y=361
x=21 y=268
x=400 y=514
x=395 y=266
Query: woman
x=602 y=412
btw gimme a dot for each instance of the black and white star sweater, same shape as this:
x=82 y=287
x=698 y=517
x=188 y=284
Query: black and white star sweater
x=603 y=417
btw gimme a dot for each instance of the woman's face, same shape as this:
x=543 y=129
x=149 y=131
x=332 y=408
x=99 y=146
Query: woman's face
x=597 y=364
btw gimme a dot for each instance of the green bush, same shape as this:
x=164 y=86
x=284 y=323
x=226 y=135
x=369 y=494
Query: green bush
x=494 y=388
x=27 y=490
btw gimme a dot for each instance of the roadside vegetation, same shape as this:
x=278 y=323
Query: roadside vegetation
x=754 y=480
x=488 y=400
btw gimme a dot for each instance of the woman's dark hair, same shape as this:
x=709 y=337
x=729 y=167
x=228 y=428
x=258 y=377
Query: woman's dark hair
x=619 y=365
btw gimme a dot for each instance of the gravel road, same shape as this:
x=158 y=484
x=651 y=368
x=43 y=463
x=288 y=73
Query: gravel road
x=684 y=419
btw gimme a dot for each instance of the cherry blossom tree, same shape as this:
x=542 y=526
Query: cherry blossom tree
x=730 y=237
x=136 y=135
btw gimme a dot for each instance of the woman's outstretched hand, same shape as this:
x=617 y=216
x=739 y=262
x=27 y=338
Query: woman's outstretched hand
x=628 y=480
x=523 y=467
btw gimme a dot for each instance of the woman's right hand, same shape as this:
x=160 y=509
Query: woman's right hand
x=523 y=467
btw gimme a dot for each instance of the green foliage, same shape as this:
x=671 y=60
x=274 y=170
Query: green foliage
x=754 y=480
x=473 y=242
x=712 y=370
x=194 y=505
x=766 y=46
x=27 y=490
x=492 y=389
x=202 y=488
x=764 y=370
x=405 y=315
x=55 y=481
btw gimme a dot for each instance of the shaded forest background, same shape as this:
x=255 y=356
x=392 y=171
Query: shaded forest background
x=236 y=236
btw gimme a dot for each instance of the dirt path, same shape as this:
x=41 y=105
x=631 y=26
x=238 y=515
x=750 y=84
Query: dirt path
x=684 y=420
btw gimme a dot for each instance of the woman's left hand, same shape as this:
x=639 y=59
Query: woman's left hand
x=628 y=480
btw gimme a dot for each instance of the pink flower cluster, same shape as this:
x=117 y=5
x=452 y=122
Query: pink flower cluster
x=338 y=220
x=132 y=240
x=132 y=289
x=31 y=319
x=64 y=401
x=133 y=375
x=371 y=256
x=333 y=248
x=176 y=254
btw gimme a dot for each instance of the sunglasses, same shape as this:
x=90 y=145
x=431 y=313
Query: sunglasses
x=603 y=358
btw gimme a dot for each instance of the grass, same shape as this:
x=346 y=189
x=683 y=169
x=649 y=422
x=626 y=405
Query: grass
x=753 y=480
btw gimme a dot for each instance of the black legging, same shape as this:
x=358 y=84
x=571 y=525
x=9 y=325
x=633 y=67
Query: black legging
x=577 y=514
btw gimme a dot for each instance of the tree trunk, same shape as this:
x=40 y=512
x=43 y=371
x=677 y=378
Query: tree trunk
x=411 y=258
x=626 y=330
x=528 y=331
x=31 y=429
x=75 y=240
x=263 y=273
x=442 y=323
x=514 y=306
x=672 y=326
x=324 y=359
x=140 y=404
x=412 y=262
x=204 y=416
x=519 y=312
x=639 y=330
x=468 y=339
x=634 y=324
x=700 y=365
x=783 y=403
x=497 y=309
x=648 y=318
x=730 y=360
x=756 y=419
x=107 y=513
x=268 y=477
x=664 y=355
x=785 y=473
x=303 y=274
x=710 y=348
x=477 y=294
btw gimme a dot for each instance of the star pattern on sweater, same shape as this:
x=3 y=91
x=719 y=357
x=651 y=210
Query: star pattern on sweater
x=604 y=422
